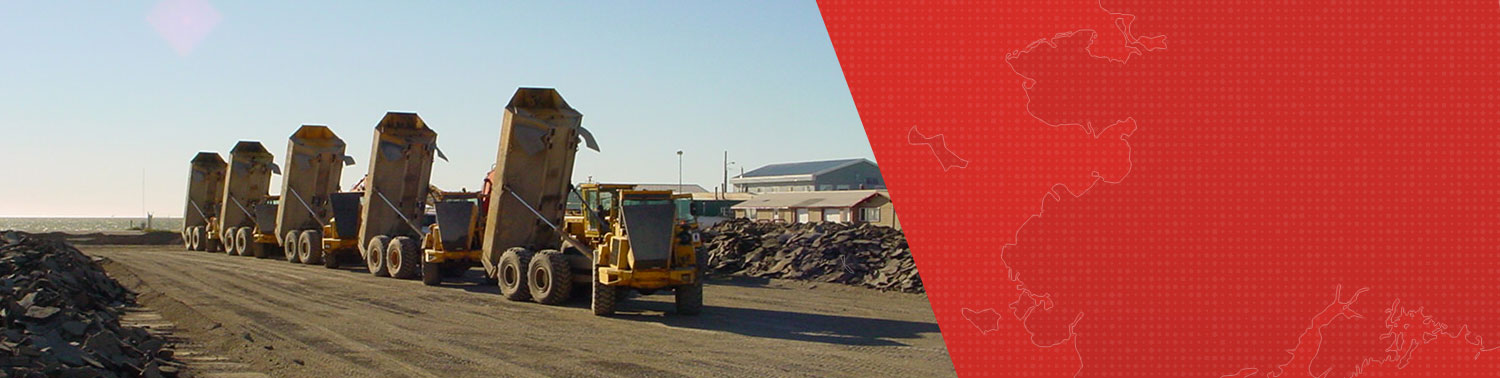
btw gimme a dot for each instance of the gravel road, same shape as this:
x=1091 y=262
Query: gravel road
x=280 y=319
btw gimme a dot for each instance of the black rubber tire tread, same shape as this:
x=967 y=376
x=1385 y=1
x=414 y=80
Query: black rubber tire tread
x=403 y=258
x=194 y=238
x=310 y=247
x=604 y=297
x=226 y=240
x=431 y=274
x=187 y=238
x=241 y=240
x=375 y=255
x=690 y=298
x=556 y=277
x=291 y=243
x=514 y=288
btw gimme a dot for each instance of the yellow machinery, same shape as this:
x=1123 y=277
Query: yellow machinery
x=522 y=201
x=395 y=194
x=205 y=190
x=641 y=242
x=247 y=214
x=314 y=162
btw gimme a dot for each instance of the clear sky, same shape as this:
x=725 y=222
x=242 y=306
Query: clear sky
x=94 y=100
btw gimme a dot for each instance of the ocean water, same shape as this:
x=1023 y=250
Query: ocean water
x=86 y=225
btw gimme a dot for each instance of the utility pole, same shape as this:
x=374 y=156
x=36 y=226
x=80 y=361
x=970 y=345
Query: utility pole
x=679 y=171
x=726 y=174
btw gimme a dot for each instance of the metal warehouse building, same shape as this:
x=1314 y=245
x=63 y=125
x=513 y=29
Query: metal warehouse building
x=845 y=174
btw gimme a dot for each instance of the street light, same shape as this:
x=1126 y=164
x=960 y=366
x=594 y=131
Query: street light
x=679 y=171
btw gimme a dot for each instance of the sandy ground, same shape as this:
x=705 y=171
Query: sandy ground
x=273 y=317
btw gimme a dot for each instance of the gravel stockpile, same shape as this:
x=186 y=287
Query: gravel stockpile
x=61 y=316
x=862 y=254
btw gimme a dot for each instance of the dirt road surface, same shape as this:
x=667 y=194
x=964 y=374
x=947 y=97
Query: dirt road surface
x=269 y=316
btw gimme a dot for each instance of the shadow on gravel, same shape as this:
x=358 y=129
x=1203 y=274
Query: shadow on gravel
x=830 y=329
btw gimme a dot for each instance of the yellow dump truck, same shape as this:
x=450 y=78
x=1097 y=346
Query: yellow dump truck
x=204 y=193
x=520 y=238
x=395 y=195
x=247 y=214
x=314 y=163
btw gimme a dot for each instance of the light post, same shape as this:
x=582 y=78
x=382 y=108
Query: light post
x=727 y=163
x=679 y=171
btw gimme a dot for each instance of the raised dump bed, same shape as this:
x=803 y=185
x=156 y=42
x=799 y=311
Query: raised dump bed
x=395 y=194
x=204 y=193
x=244 y=231
x=314 y=164
x=538 y=141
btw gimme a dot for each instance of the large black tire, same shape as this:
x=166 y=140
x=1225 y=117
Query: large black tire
x=512 y=274
x=195 y=238
x=375 y=256
x=550 y=277
x=690 y=298
x=226 y=241
x=604 y=297
x=403 y=258
x=431 y=275
x=310 y=247
x=187 y=238
x=241 y=238
x=291 y=243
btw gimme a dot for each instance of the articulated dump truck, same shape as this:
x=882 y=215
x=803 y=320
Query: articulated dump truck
x=247 y=214
x=205 y=190
x=395 y=196
x=520 y=239
x=312 y=207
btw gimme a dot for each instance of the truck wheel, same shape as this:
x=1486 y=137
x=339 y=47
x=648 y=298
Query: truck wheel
x=403 y=258
x=310 y=247
x=240 y=238
x=226 y=241
x=431 y=275
x=187 y=238
x=512 y=273
x=291 y=244
x=690 y=298
x=195 y=238
x=374 y=259
x=604 y=297
x=551 y=277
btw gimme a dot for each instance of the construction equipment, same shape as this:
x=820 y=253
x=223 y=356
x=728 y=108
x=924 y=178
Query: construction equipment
x=395 y=194
x=539 y=139
x=639 y=244
x=314 y=162
x=247 y=217
x=204 y=193
x=642 y=241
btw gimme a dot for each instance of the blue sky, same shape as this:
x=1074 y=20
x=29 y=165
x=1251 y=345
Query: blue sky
x=94 y=99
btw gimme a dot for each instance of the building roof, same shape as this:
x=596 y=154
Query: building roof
x=839 y=198
x=731 y=196
x=686 y=188
x=803 y=168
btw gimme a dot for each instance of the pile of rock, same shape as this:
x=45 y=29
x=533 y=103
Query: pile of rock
x=61 y=316
x=855 y=254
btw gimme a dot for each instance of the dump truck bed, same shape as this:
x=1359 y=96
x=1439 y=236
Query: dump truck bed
x=314 y=164
x=396 y=184
x=245 y=184
x=538 y=141
x=205 y=189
